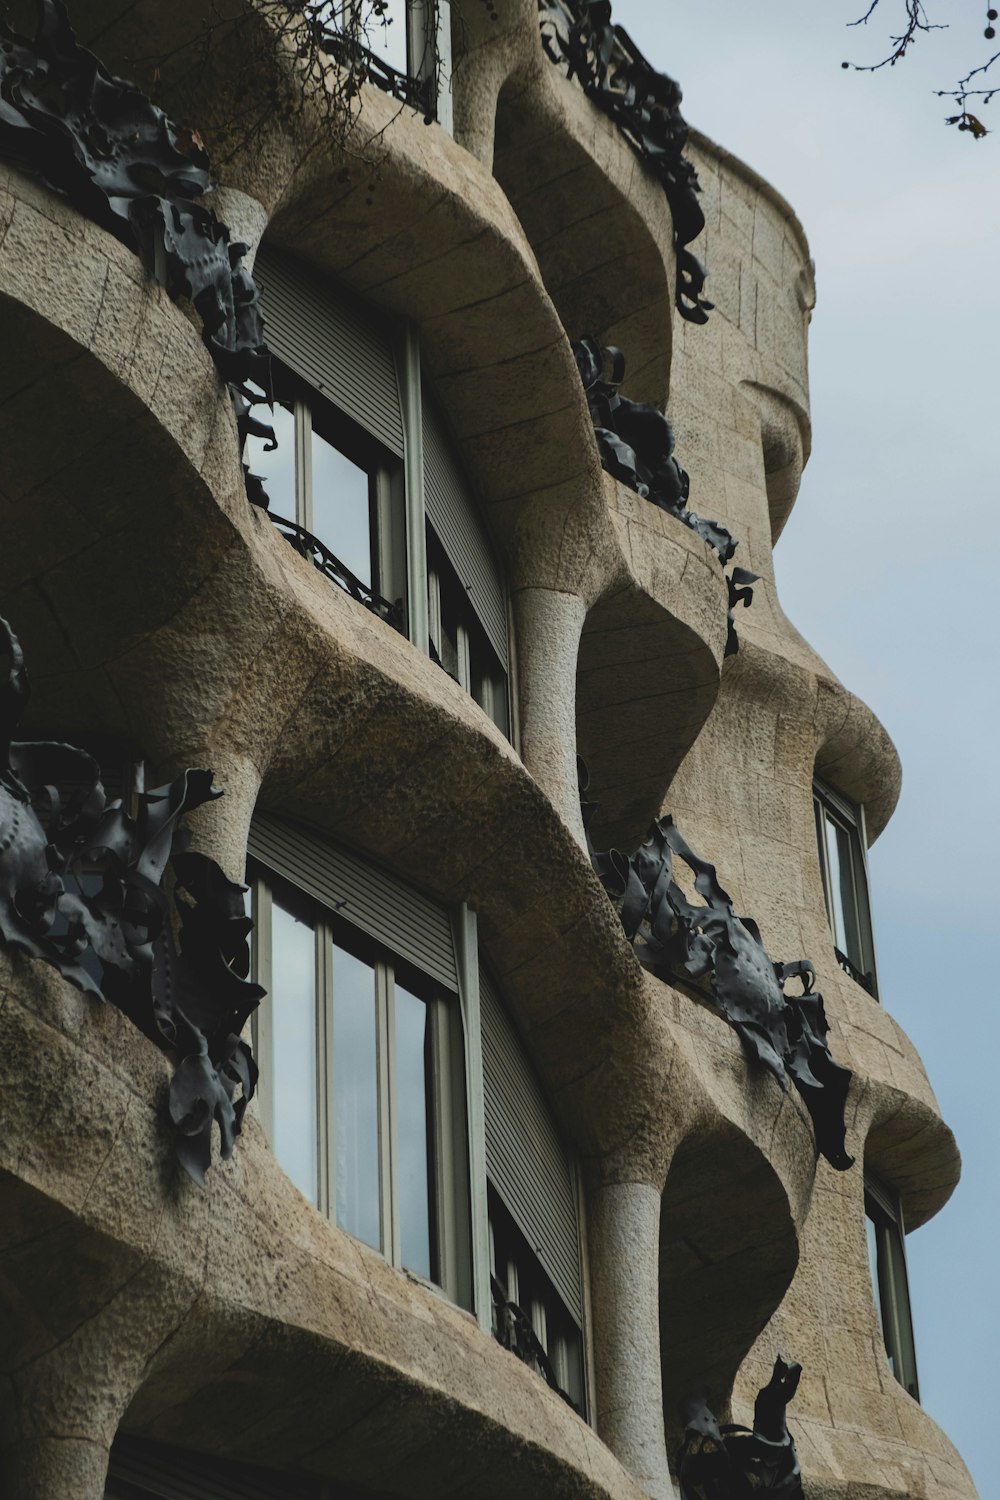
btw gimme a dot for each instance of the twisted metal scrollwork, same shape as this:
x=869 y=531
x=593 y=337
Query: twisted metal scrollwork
x=721 y=956
x=729 y=1462
x=112 y=898
x=636 y=444
x=866 y=981
x=578 y=35
x=512 y=1329
x=313 y=550
x=99 y=142
x=364 y=65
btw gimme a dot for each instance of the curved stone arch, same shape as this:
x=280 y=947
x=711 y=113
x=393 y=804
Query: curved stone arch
x=786 y=441
x=649 y=665
x=598 y=223
x=728 y=1252
x=855 y=754
x=144 y=421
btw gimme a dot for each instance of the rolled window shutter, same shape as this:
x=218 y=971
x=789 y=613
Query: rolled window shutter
x=325 y=339
x=138 y=1473
x=413 y=926
x=525 y=1159
x=458 y=526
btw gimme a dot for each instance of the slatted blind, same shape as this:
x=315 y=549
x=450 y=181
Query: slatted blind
x=163 y=1474
x=328 y=340
x=525 y=1159
x=451 y=510
x=413 y=926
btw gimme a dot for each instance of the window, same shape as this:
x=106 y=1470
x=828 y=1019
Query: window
x=533 y=1217
x=365 y=468
x=334 y=482
x=462 y=645
x=377 y=1023
x=844 y=867
x=361 y=1051
x=413 y=39
x=887 y=1259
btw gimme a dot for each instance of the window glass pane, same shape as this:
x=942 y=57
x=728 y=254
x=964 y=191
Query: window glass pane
x=448 y=646
x=844 y=896
x=355 y=1093
x=341 y=508
x=413 y=1131
x=489 y=683
x=444 y=61
x=904 y=1366
x=873 y=1265
x=276 y=469
x=293 y=1030
x=835 y=892
x=387 y=35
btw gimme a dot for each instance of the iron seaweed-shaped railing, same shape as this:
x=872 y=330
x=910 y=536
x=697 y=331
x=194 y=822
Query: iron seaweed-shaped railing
x=636 y=445
x=99 y=142
x=722 y=958
x=85 y=884
x=314 y=551
x=578 y=35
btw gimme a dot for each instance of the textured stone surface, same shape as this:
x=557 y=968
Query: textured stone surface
x=154 y=603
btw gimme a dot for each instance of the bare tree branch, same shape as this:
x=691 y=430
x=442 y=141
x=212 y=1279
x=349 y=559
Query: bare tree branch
x=917 y=20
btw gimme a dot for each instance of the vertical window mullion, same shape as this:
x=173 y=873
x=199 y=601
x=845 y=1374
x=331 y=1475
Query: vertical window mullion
x=324 y=1066
x=464 y=659
x=411 y=407
x=263 y=1043
x=820 y=815
x=303 y=466
x=388 y=1144
x=868 y=928
x=434 y=609
x=444 y=1115
x=482 y=1252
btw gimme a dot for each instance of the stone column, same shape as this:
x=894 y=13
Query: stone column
x=549 y=625
x=221 y=828
x=246 y=218
x=623 y=1232
x=55 y=1468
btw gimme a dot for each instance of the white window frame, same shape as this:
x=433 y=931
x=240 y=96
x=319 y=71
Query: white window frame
x=385 y=413
x=830 y=806
x=493 y=700
x=386 y=480
x=890 y=1281
x=428 y=47
x=450 y=1191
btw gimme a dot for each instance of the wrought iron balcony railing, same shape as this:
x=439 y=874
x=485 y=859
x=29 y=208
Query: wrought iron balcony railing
x=866 y=981
x=313 y=550
x=580 y=38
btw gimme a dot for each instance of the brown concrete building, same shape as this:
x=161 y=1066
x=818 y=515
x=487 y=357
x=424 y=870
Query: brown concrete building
x=466 y=1072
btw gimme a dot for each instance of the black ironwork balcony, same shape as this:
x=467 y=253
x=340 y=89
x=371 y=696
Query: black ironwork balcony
x=513 y=1331
x=367 y=67
x=866 y=981
x=580 y=37
x=313 y=550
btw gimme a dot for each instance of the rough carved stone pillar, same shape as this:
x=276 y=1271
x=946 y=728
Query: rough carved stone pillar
x=549 y=625
x=623 y=1229
x=55 y=1468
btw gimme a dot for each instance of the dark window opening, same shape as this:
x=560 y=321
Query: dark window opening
x=890 y=1287
x=844 y=869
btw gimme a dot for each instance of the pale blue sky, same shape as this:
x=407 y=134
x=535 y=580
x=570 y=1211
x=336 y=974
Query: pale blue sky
x=887 y=563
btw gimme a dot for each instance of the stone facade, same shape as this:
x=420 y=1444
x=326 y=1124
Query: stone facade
x=155 y=603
